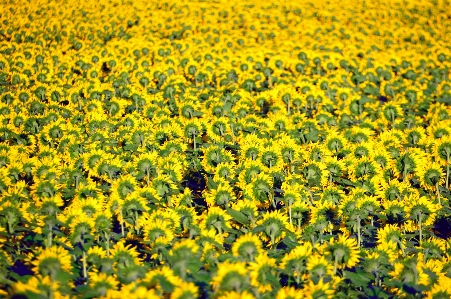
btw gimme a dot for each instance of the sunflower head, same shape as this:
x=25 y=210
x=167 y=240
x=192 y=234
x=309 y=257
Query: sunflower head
x=247 y=247
x=51 y=261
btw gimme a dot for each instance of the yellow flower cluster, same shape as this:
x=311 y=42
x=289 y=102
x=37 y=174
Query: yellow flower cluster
x=225 y=149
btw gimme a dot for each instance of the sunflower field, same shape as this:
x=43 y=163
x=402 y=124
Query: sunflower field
x=225 y=149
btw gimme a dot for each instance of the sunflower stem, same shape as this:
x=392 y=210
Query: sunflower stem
x=51 y=294
x=402 y=248
x=194 y=142
x=419 y=226
x=358 y=230
x=137 y=222
x=336 y=264
x=49 y=237
x=273 y=203
x=447 y=171
x=85 y=274
x=438 y=193
x=122 y=223
x=107 y=244
x=289 y=211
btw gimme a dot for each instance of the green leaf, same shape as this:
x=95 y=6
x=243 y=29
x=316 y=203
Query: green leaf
x=166 y=285
x=358 y=279
x=258 y=229
x=444 y=100
x=238 y=216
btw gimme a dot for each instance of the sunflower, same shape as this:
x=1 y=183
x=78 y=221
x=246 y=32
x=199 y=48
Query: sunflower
x=216 y=219
x=274 y=225
x=431 y=176
x=433 y=248
x=38 y=285
x=364 y=169
x=318 y=290
x=173 y=165
x=442 y=150
x=164 y=188
x=259 y=270
x=391 y=190
x=96 y=253
x=289 y=293
x=248 y=208
x=237 y=295
x=323 y=211
x=391 y=236
x=410 y=271
x=295 y=262
x=422 y=210
x=335 y=143
x=247 y=247
x=271 y=158
x=213 y=156
x=315 y=174
x=169 y=216
x=183 y=199
x=222 y=195
x=409 y=162
x=225 y=171
x=344 y=252
x=146 y=164
x=249 y=170
x=124 y=255
x=124 y=186
x=52 y=260
x=291 y=195
x=102 y=282
x=157 y=231
x=260 y=189
x=186 y=290
x=289 y=149
x=300 y=212
x=335 y=167
x=319 y=267
x=158 y=277
x=251 y=146
x=210 y=237
x=332 y=195
x=231 y=277
x=218 y=129
x=440 y=289
x=132 y=290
